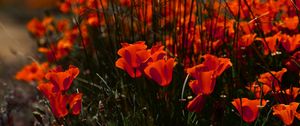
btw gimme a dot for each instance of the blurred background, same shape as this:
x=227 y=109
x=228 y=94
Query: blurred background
x=16 y=50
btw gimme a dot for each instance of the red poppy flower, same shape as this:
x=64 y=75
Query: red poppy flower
x=286 y=112
x=65 y=7
x=36 y=27
x=270 y=45
x=256 y=89
x=157 y=53
x=55 y=91
x=293 y=93
x=32 y=72
x=290 y=43
x=132 y=56
x=269 y=80
x=63 y=80
x=246 y=40
x=59 y=50
x=161 y=71
x=248 y=109
x=206 y=73
x=291 y=22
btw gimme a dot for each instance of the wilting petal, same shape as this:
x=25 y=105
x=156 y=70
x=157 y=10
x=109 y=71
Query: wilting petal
x=196 y=104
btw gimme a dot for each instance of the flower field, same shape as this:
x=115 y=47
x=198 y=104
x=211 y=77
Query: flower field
x=165 y=62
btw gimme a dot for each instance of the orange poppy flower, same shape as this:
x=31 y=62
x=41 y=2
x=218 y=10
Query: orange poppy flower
x=63 y=80
x=36 y=27
x=32 y=72
x=59 y=102
x=293 y=93
x=291 y=22
x=205 y=82
x=65 y=7
x=246 y=40
x=248 y=109
x=269 y=80
x=270 y=45
x=75 y=103
x=63 y=25
x=132 y=56
x=157 y=53
x=54 y=91
x=286 y=112
x=161 y=71
x=57 y=51
x=290 y=43
x=206 y=73
x=256 y=89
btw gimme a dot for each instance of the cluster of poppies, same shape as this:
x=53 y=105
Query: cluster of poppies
x=205 y=38
x=136 y=59
x=56 y=91
x=205 y=74
x=33 y=72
